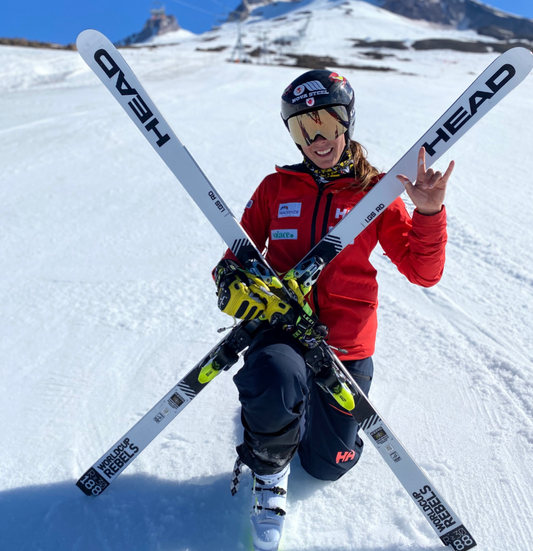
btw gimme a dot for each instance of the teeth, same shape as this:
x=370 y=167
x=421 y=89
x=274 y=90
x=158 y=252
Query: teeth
x=325 y=151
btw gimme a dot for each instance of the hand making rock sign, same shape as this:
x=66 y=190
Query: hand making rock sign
x=428 y=192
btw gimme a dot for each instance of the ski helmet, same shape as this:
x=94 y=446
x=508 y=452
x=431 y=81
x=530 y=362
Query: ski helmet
x=315 y=90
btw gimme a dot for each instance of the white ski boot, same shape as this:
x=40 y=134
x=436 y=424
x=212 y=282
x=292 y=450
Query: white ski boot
x=269 y=494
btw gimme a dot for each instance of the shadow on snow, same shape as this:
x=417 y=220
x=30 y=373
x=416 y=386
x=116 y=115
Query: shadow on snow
x=140 y=513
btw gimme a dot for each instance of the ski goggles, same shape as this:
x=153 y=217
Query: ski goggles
x=329 y=122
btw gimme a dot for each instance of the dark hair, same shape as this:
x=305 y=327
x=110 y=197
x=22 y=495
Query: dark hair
x=364 y=171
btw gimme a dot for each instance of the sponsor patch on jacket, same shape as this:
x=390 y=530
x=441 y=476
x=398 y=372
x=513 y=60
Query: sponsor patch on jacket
x=250 y=203
x=286 y=210
x=284 y=234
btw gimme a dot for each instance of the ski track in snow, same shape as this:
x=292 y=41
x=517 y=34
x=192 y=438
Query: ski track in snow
x=107 y=300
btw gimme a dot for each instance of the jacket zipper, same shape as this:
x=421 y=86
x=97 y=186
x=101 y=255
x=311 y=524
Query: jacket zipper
x=323 y=232
x=315 y=215
x=326 y=215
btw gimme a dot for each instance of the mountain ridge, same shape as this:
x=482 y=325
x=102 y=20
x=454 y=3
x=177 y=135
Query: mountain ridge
x=461 y=14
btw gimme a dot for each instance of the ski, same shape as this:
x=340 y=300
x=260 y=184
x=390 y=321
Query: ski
x=221 y=357
x=501 y=77
x=496 y=82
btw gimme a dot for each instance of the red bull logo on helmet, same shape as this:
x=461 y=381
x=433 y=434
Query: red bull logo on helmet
x=336 y=76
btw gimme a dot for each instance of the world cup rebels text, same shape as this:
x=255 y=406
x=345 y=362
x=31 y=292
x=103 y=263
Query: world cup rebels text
x=115 y=461
x=433 y=508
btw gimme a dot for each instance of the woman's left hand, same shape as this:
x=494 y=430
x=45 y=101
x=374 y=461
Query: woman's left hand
x=430 y=188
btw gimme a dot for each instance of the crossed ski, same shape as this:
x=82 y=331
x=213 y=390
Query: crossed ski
x=503 y=75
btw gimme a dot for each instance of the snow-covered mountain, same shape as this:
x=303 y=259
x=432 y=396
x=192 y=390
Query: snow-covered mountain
x=106 y=296
x=159 y=24
x=461 y=14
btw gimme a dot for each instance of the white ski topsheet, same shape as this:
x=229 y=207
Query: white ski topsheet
x=107 y=299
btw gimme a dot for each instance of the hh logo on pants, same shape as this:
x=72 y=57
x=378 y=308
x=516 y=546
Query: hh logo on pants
x=342 y=457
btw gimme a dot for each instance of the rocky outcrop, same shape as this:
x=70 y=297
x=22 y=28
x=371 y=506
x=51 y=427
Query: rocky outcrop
x=155 y=26
x=488 y=21
x=464 y=14
x=447 y=12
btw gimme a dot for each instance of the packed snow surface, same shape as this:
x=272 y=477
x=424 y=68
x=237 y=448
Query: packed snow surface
x=106 y=298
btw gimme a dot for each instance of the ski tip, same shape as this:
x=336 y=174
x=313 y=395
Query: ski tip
x=88 y=38
x=524 y=54
x=82 y=37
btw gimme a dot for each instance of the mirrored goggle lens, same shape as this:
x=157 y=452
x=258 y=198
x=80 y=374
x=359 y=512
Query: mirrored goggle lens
x=330 y=123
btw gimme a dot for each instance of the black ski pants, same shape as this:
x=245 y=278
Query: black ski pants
x=285 y=411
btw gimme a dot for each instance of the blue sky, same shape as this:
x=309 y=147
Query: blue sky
x=61 y=21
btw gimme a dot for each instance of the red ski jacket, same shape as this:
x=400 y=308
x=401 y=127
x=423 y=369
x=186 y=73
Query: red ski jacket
x=291 y=213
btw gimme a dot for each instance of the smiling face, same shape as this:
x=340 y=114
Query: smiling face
x=325 y=153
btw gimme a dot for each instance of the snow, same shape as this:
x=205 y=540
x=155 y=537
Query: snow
x=106 y=299
x=172 y=37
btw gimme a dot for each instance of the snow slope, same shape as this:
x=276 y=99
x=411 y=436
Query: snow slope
x=106 y=300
